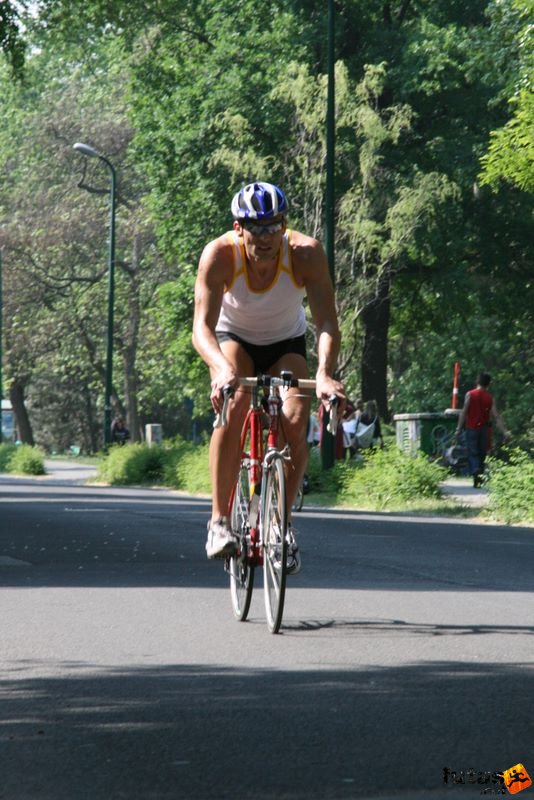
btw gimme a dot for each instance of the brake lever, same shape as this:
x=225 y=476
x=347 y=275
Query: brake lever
x=333 y=416
x=221 y=419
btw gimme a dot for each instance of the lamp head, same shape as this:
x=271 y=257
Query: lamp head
x=86 y=150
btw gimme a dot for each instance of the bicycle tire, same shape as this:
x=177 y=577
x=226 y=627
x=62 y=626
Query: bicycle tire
x=299 y=498
x=274 y=529
x=241 y=572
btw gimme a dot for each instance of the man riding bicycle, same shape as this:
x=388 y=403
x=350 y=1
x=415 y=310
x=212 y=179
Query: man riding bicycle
x=249 y=319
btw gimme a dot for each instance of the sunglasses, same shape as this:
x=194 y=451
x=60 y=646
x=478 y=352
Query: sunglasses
x=259 y=230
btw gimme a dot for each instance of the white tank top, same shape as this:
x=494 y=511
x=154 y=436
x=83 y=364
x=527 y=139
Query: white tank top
x=268 y=315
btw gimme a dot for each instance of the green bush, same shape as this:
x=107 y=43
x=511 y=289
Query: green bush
x=385 y=478
x=179 y=465
x=27 y=460
x=511 y=487
x=132 y=464
x=382 y=479
x=6 y=451
x=187 y=467
x=327 y=482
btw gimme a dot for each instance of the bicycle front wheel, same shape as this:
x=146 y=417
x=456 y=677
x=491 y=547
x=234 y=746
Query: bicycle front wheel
x=274 y=528
x=241 y=571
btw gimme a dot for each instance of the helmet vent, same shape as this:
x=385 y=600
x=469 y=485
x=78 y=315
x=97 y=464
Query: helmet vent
x=259 y=201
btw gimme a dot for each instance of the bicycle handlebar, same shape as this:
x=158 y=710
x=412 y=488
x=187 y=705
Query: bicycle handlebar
x=269 y=380
x=287 y=381
x=333 y=421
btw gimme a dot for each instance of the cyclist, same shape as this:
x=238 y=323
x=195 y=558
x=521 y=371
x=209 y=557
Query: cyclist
x=249 y=319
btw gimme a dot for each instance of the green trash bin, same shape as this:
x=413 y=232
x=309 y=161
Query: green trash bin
x=430 y=432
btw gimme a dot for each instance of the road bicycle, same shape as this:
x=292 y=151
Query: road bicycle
x=258 y=510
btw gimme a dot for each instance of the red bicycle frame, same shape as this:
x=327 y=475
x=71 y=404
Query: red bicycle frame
x=253 y=430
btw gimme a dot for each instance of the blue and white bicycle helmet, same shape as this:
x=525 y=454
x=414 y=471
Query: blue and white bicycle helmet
x=259 y=201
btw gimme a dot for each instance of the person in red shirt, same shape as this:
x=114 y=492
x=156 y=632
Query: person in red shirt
x=479 y=408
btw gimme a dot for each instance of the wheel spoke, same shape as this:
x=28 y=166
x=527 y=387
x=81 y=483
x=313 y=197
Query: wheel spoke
x=240 y=571
x=274 y=527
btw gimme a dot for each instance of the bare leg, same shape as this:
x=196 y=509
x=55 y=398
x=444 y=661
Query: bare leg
x=225 y=454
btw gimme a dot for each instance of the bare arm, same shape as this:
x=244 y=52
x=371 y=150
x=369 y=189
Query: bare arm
x=496 y=417
x=213 y=272
x=463 y=414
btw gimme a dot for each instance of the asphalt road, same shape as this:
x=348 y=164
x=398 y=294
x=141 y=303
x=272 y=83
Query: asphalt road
x=406 y=648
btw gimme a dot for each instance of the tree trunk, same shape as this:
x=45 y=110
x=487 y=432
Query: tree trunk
x=130 y=342
x=24 y=428
x=91 y=444
x=130 y=396
x=375 y=320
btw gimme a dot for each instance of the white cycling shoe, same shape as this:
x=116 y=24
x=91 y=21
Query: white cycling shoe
x=293 y=560
x=221 y=542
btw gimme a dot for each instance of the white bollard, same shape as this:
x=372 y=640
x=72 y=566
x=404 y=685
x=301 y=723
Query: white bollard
x=153 y=434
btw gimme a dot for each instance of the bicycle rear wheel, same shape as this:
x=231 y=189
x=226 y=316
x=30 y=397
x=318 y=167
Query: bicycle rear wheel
x=274 y=544
x=299 y=499
x=241 y=572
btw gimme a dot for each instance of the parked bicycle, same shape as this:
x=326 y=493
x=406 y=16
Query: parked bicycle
x=258 y=509
x=449 y=448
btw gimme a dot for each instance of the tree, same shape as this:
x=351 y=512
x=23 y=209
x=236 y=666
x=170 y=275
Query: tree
x=510 y=153
x=11 y=40
x=194 y=98
x=56 y=234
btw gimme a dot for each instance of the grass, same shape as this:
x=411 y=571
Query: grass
x=437 y=506
x=92 y=461
x=381 y=480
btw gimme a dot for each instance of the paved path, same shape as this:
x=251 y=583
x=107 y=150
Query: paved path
x=462 y=491
x=69 y=471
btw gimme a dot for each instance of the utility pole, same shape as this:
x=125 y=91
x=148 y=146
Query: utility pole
x=327 y=441
x=89 y=151
x=1 y=351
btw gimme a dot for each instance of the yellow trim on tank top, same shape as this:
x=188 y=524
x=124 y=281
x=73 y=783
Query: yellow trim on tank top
x=235 y=273
x=237 y=241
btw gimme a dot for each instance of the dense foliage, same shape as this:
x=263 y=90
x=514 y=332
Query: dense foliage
x=178 y=465
x=511 y=488
x=22 y=459
x=384 y=480
x=191 y=98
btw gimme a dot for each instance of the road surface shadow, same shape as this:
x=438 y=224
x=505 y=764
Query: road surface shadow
x=370 y=627
x=113 y=537
x=204 y=731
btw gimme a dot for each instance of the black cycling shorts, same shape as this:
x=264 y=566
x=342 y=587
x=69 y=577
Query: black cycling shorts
x=265 y=355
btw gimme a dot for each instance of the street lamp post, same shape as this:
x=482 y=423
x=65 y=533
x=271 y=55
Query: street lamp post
x=86 y=150
x=1 y=351
x=328 y=442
